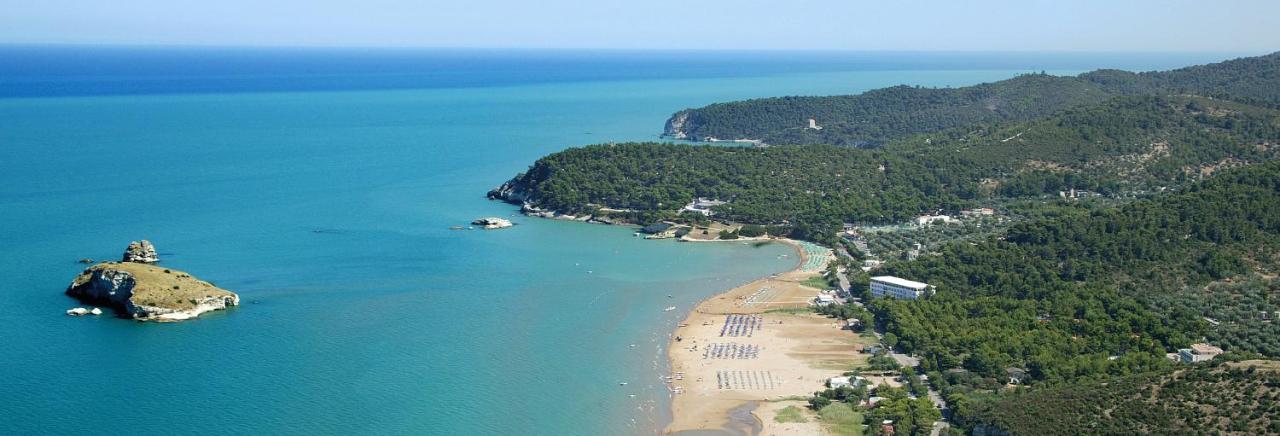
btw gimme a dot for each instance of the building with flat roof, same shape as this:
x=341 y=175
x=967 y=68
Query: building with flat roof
x=846 y=381
x=925 y=220
x=890 y=286
x=1201 y=352
x=703 y=206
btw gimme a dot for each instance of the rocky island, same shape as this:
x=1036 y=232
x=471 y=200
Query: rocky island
x=491 y=223
x=145 y=292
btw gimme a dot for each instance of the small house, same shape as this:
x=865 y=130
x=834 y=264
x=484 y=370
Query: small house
x=1200 y=352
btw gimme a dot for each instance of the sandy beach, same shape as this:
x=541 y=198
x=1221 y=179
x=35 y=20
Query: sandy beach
x=743 y=346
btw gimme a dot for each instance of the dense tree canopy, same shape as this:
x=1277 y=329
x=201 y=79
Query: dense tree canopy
x=881 y=115
x=1084 y=294
x=1177 y=241
x=1125 y=145
x=1229 y=397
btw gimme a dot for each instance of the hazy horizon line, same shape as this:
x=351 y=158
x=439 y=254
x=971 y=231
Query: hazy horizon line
x=606 y=49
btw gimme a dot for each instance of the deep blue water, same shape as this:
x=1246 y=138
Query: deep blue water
x=320 y=185
x=30 y=71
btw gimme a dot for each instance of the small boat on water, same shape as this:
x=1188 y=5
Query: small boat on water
x=622 y=383
x=668 y=309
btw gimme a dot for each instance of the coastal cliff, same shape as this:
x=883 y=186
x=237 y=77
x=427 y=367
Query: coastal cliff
x=676 y=125
x=518 y=192
x=512 y=191
x=149 y=293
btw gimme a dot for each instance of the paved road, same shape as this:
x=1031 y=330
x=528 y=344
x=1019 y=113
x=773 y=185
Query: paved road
x=936 y=398
x=844 y=282
x=938 y=426
x=905 y=360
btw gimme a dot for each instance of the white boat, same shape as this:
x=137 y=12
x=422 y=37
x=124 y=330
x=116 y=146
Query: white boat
x=669 y=309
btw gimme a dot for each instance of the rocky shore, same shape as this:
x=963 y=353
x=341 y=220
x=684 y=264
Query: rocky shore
x=142 y=291
x=514 y=192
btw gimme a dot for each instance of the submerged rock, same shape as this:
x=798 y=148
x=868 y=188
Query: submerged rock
x=140 y=252
x=147 y=292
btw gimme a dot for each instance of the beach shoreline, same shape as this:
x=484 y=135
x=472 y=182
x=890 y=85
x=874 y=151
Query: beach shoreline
x=788 y=355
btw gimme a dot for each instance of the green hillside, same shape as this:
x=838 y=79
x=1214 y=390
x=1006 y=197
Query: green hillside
x=1241 y=397
x=1124 y=146
x=878 y=116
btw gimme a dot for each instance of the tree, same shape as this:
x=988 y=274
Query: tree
x=751 y=231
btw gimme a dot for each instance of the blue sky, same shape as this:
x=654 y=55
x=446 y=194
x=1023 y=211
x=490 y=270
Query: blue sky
x=1072 y=25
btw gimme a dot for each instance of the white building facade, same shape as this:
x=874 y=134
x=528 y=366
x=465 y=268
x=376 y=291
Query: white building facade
x=703 y=206
x=894 y=287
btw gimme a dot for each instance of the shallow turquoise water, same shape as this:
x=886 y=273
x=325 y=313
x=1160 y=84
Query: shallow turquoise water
x=328 y=211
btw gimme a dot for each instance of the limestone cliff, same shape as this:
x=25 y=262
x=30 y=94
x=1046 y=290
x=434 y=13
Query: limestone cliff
x=149 y=293
x=677 y=126
x=512 y=191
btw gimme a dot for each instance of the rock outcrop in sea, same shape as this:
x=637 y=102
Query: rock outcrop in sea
x=140 y=252
x=146 y=292
x=491 y=223
x=80 y=311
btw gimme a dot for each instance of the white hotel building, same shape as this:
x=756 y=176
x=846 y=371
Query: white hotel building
x=890 y=286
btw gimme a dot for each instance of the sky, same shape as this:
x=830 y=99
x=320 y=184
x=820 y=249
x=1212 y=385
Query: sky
x=944 y=25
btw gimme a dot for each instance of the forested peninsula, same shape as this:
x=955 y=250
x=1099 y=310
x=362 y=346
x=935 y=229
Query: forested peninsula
x=876 y=117
x=1123 y=147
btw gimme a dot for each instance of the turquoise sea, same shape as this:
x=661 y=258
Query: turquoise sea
x=320 y=186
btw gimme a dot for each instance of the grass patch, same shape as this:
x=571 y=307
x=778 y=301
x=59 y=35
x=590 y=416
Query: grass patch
x=790 y=398
x=841 y=420
x=816 y=282
x=791 y=310
x=837 y=365
x=790 y=414
x=161 y=287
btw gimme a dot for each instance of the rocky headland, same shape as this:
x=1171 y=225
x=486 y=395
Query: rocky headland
x=142 y=291
x=515 y=192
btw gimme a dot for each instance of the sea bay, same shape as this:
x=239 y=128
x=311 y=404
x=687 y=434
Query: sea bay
x=328 y=209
